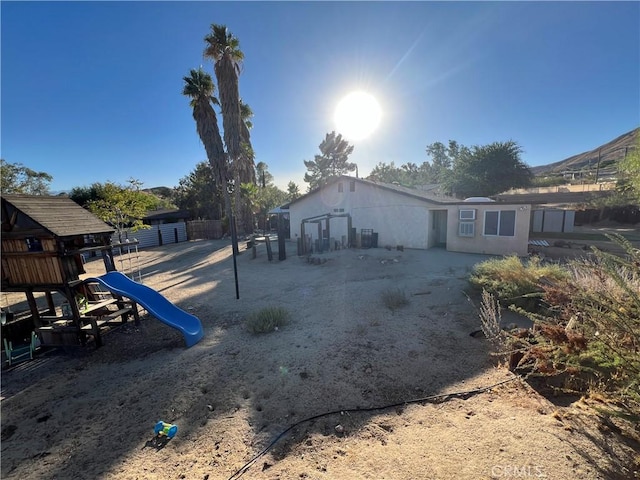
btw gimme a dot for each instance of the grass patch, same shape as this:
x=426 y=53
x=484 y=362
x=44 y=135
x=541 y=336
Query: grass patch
x=394 y=298
x=269 y=319
x=514 y=281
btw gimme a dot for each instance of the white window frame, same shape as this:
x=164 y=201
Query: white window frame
x=466 y=229
x=467 y=214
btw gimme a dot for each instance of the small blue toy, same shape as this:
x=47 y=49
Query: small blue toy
x=163 y=429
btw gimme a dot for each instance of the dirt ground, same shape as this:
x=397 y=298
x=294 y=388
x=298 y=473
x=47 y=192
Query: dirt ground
x=347 y=390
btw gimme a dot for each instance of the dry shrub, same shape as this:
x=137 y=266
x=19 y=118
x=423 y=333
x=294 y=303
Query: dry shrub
x=394 y=298
x=268 y=319
x=589 y=329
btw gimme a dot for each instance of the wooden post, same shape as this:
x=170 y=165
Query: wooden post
x=282 y=249
x=328 y=234
x=267 y=242
x=50 y=304
x=33 y=306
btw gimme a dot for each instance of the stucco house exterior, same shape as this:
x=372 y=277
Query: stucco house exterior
x=347 y=210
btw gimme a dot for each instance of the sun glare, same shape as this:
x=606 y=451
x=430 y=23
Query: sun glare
x=357 y=115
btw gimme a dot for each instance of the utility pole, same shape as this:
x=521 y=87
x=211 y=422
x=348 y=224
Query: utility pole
x=598 y=167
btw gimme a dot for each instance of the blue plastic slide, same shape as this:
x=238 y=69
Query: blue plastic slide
x=155 y=303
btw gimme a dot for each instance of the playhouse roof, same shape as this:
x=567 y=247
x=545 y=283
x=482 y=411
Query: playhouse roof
x=58 y=214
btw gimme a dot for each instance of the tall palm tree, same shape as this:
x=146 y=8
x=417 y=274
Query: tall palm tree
x=224 y=49
x=199 y=87
x=246 y=167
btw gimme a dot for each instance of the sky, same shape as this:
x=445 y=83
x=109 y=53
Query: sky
x=92 y=91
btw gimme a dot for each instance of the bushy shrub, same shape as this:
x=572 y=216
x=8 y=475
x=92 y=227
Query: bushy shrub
x=394 y=298
x=589 y=333
x=514 y=281
x=268 y=319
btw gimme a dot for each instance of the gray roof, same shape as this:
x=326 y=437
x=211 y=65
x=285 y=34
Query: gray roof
x=165 y=213
x=59 y=215
x=428 y=194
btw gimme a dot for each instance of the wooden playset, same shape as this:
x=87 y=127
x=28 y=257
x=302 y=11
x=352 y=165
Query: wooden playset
x=44 y=239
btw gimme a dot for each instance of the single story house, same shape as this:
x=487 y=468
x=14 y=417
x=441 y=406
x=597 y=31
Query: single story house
x=351 y=211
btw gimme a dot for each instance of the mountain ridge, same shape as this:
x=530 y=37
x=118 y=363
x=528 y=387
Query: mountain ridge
x=609 y=154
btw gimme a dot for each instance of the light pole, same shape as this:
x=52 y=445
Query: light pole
x=234 y=240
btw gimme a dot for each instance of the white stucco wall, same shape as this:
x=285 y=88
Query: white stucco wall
x=492 y=245
x=398 y=219
x=401 y=219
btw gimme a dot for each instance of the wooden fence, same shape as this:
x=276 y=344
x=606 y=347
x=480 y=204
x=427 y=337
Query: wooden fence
x=204 y=229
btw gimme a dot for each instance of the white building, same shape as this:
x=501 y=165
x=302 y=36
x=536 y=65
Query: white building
x=351 y=211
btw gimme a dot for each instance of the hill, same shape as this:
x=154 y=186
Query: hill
x=610 y=154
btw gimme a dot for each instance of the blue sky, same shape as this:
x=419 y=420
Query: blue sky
x=91 y=91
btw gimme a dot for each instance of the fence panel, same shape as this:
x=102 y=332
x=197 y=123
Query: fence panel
x=156 y=235
x=204 y=229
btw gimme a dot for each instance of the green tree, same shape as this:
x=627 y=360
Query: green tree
x=85 y=195
x=16 y=178
x=262 y=174
x=408 y=174
x=488 y=170
x=332 y=161
x=442 y=159
x=265 y=196
x=199 y=193
x=122 y=207
x=293 y=191
x=387 y=173
x=629 y=169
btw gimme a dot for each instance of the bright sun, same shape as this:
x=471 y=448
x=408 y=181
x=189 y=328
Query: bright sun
x=357 y=115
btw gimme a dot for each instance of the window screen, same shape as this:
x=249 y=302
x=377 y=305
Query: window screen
x=501 y=223
x=507 y=223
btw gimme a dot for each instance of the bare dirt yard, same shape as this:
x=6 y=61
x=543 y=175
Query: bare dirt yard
x=348 y=389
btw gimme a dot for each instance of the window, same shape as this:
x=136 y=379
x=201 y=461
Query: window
x=338 y=210
x=352 y=186
x=33 y=244
x=500 y=223
x=467 y=214
x=466 y=229
x=340 y=188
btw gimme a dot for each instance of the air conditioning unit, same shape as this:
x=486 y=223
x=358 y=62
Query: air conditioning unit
x=467 y=215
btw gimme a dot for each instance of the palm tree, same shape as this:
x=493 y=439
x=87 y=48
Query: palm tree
x=224 y=49
x=245 y=166
x=199 y=87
